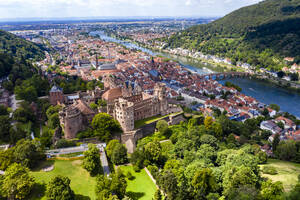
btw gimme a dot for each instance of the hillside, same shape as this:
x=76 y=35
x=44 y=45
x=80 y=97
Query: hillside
x=15 y=51
x=261 y=34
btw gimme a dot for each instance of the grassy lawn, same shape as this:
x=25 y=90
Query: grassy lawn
x=139 y=123
x=141 y=187
x=82 y=184
x=287 y=172
x=70 y=155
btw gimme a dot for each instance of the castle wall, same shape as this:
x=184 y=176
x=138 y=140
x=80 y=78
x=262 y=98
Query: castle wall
x=130 y=139
x=73 y=125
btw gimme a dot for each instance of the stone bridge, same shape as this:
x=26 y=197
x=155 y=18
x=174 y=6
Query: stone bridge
x=224 y=75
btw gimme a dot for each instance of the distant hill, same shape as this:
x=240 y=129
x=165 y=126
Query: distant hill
x=15 y=52
x=257 y=34
x=18 y=47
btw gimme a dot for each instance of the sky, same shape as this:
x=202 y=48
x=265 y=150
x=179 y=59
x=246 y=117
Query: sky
x=118 y=8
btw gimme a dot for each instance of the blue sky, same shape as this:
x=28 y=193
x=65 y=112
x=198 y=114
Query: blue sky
x=105 y=8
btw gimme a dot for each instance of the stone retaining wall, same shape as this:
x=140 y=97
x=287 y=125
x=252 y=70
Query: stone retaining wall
x=130 y=138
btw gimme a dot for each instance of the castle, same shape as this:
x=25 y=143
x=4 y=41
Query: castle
x=76 y=113
x=126 y=103
x=129 y=109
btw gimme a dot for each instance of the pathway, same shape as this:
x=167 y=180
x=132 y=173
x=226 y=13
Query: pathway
x=104 y=162
x=150 y=175
x=82 y=148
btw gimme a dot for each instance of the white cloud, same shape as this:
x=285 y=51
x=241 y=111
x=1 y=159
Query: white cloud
x=81 y=8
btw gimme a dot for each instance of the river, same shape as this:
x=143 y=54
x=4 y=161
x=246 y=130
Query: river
x=262 y=91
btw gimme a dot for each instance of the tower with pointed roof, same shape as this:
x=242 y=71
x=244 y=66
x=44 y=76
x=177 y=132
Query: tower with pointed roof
x=56 y=95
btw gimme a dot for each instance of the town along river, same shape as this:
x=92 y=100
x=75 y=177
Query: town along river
x=262 y=91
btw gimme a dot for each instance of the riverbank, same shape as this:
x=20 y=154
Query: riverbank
x=225 y=67
x=267 y=93
x=279 y=83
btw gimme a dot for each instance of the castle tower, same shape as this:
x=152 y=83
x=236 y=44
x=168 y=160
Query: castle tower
x=137 y=88
x=124 y=113
x=56 y=95
x=160 y=93
x=71 y=121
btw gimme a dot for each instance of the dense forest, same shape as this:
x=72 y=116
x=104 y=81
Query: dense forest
x=15 y=53
x=261 y=34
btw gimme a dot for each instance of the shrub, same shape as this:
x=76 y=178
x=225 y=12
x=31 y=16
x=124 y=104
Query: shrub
x=153 y=170
x=63 y=143
x=129 y=176
x=269 y=170
x=136 y=168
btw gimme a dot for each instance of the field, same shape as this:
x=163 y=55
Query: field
x=141 y=187
x=82 y=184
x=287 y=172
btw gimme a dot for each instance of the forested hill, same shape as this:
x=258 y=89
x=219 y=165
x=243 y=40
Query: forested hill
x=14 y=54
x=255 y=34
x=18 y=47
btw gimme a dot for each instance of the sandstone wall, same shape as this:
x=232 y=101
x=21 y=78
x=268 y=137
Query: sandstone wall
x=130 y=139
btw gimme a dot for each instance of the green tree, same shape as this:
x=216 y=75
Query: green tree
x=208 y=122
x=5 y=125
x=218 y=131
x=168 y=182
x=110 y=147
x=59 y=188
x=294 y=193
x=275 y=107
x=28 y=153
x=244 y=192
x=93 y=106
x=102 y=103
x=119 y=154
x=27 y=93
x=53 y=121
x=265 y=112
x=90 y=86
x=3 y=110
x=207 y=153
x=162 y=127
x=24 y=114
x=17 y=183
x=91 y=161
x=270 y=190
x=203 y=183
x=262 y=157
x=192 y=123
x=157 y=195
x=286 y=150
x=114 y=184
x=153 y=151
x=104 y=126
x=52 y=110
x=236 y=177
x=6 y=158
x=275 y=142
x=209 y=139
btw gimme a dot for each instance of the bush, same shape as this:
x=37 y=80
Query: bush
x=153 y=170
x=269 y=170
x=129 y=176
x=85 y=134
x=136 y=168
x=63 y=143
